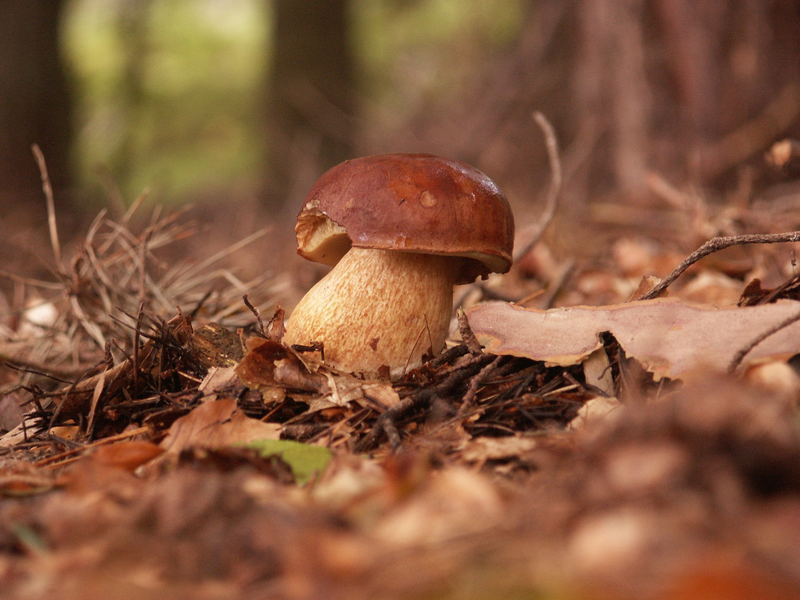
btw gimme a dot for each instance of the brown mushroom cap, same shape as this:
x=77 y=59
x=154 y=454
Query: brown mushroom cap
x=408 y=202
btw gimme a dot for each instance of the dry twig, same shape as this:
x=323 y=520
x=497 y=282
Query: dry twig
x=715 y=245
x=553 y=192
x=51 y=209
x=739 y=356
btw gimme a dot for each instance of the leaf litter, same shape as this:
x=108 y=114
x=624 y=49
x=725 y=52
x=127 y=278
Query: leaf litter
x=508 y=471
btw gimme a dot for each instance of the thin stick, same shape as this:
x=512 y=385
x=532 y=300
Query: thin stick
x=51 y=207
x=98 y=391
x=715 y=245
x=739 y=356
x=475 y=383
x=554 y=191
x=467 y=335
x=257 y=314
x=136 y=337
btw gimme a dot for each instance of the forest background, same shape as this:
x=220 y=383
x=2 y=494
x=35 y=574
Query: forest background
x=248 y=101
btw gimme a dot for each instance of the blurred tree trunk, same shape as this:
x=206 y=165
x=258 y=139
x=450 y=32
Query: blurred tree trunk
x=34 y=102
x=310 y=99
x=690 y=91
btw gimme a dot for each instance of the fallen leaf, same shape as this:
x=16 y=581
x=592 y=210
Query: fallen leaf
x=304 y=460
x=669 y=337
x=268 y=363
x=126 y=455
x=345 y=388
x=597 y=371
x=218 y=378
x=256 y=368
x=482 y=449
x=216 y=424
x=380 y=394
x=291 y=373
x=594 y=410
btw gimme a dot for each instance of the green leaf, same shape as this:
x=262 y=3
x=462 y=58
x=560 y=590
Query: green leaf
x=304 y=460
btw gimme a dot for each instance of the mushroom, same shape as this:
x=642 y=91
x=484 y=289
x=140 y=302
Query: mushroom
x=399 y=230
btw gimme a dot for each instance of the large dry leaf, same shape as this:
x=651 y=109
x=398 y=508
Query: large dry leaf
x=215 y=424
x=669 y=337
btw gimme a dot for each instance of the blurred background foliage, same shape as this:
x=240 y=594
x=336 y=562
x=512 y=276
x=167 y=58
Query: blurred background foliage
x=166 y=92
x=169 y=95
x=250 y=100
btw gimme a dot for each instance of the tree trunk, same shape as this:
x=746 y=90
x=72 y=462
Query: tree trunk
x=35 y=102
x=310 y=99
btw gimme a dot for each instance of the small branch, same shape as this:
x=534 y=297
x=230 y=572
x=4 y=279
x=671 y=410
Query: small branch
x=554 y=191
x=257 y=314
x=387 y=422
x=467 y=335
x=715 y=245
x=51 y=208
x=475 y=384
x=739 y=356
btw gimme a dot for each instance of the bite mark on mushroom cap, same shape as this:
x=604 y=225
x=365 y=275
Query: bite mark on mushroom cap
x=401 y=230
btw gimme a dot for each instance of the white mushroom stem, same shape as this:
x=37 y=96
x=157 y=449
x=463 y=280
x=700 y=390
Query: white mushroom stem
x=377 y=309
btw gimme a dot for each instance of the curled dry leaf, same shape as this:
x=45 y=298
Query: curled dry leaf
x=669 y=337
x=267 y=364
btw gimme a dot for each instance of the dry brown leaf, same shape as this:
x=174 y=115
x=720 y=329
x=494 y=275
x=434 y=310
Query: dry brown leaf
x=217 y=379
x=594 y=410
x=256 y=368
x=669 y=337
x=268 y=363
x=127 y=455
x=216 y=424
x=291 y=373
x=380 y=393
x=597 y=372
x=481 y=449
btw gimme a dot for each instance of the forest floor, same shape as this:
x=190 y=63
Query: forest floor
x=160 y=441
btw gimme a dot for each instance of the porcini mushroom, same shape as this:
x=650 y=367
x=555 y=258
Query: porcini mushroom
x=399 y=230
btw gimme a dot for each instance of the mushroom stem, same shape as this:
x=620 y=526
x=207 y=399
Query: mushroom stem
x=377 y=309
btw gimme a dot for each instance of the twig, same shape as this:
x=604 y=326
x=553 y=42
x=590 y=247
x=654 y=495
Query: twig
x=136 y=337
x=387 y=422
x=555 y=286
x=475 y=383
x=553 y=192
x=467 y=335
x=257 y=315
x=98 y=392
x=51 y=209
x=447 y=356
x=739 y=356
x=715 y=245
